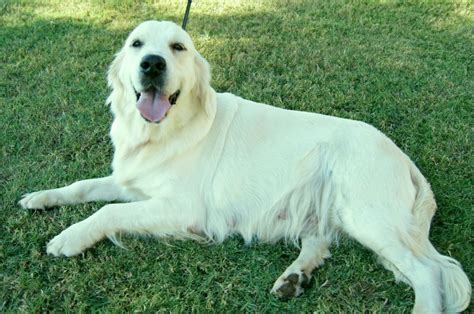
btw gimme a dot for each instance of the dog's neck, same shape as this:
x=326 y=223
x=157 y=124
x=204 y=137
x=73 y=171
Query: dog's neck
x=185 y=126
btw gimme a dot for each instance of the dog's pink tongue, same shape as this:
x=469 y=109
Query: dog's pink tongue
x=153 y=106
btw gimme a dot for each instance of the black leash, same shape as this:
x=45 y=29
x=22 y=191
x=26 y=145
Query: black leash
x=186 y=14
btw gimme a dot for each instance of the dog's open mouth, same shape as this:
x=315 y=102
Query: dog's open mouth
x=153 y=105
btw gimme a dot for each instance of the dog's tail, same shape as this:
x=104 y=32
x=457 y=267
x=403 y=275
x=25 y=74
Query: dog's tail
x=455 y=286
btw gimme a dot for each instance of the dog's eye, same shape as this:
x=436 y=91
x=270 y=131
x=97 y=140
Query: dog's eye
x=178 y=47
x=137 y=43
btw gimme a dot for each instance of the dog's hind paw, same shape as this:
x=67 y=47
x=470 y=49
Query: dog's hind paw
x=291 y=285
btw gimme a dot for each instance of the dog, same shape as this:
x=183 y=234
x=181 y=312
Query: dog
x=192 y=163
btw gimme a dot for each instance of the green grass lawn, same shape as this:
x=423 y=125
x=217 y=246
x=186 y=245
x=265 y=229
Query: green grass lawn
x=405 y=67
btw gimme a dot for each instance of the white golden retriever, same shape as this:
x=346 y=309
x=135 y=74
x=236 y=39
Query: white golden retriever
x=193 y=163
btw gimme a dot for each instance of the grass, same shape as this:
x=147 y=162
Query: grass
x=405 y=67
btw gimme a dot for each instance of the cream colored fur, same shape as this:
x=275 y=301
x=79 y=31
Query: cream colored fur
x=219 y=165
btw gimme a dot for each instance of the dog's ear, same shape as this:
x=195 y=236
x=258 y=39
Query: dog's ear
x=113 y=77
x=202 y=88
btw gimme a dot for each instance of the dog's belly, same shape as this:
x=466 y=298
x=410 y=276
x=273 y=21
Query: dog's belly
x=281 y=172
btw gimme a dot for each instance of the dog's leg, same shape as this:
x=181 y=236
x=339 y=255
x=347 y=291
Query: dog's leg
x=293 y=281
x=153 y=216
x=418 y=271
x=393 y=235
x=100 y=189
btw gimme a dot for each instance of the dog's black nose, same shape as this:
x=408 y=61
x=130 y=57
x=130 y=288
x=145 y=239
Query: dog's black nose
x=153 y=65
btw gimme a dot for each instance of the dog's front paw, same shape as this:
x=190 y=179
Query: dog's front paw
x=72 y=241
x=37 y=200
x=291 y=285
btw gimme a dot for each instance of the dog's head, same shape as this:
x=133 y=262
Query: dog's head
x=159 y=68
